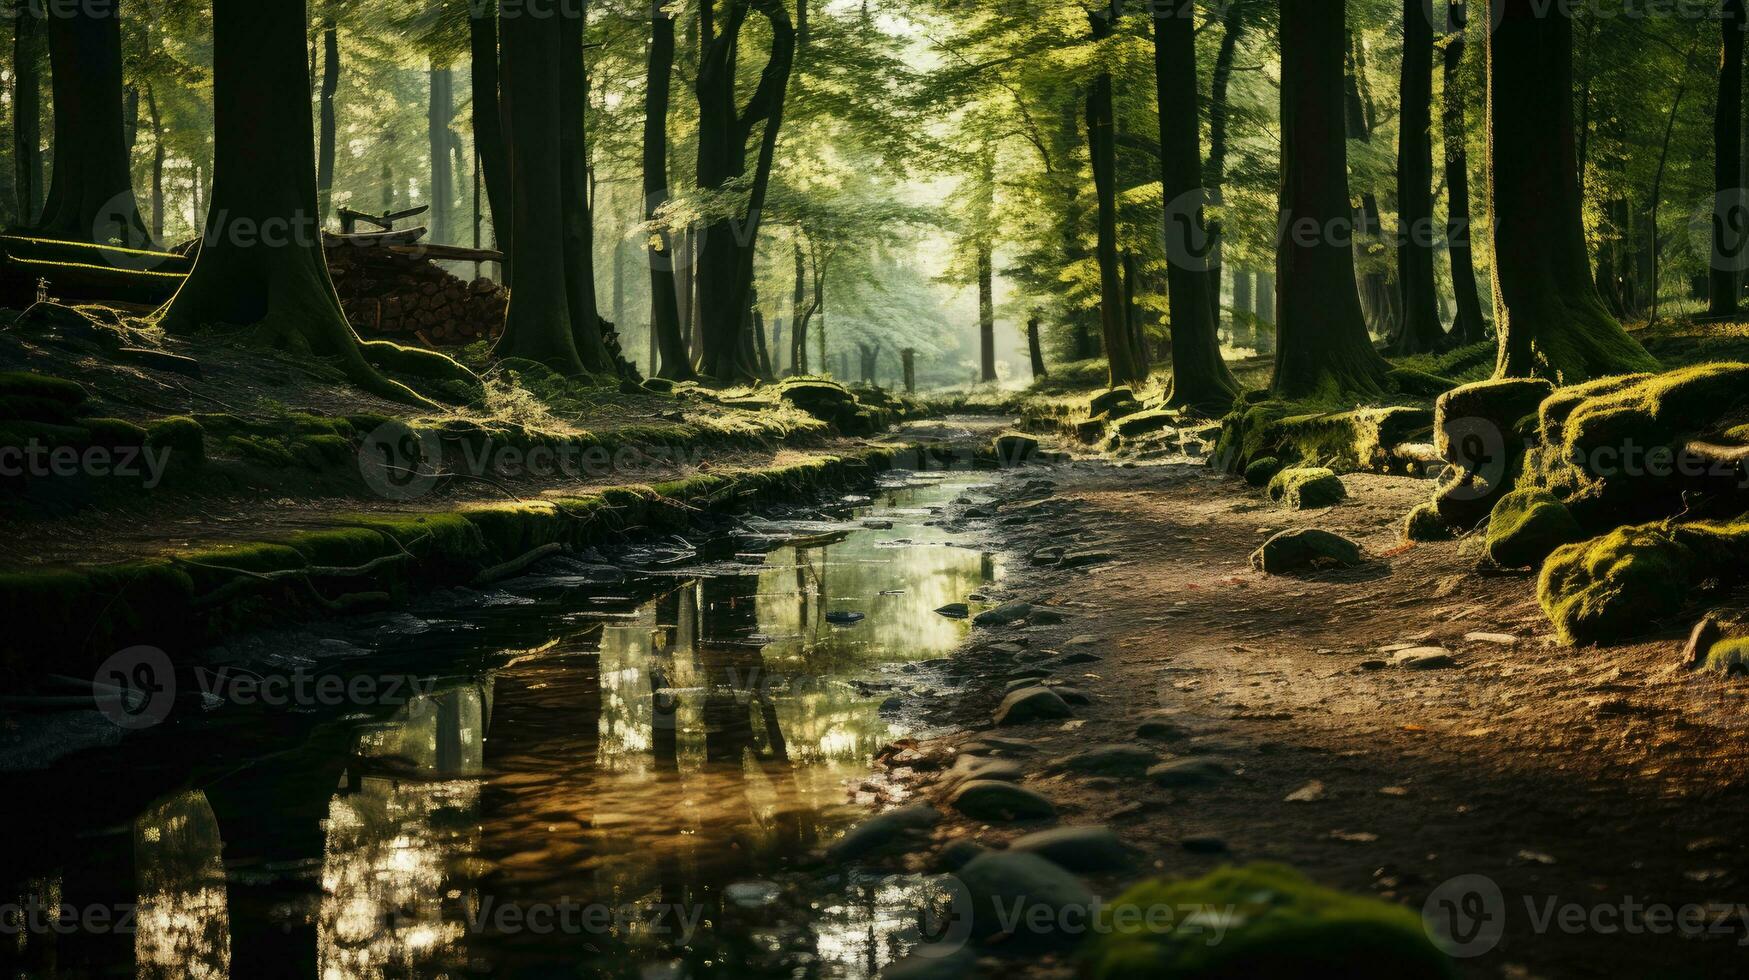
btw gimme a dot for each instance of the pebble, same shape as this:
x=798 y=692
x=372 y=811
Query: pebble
x=1032 y=704
x=1424 y=658
x=1189 y=772
x=990 y=799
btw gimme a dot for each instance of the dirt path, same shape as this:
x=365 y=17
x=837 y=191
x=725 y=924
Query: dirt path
x=1600 y=779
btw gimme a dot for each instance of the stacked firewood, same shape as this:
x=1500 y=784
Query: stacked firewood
x=399 y=294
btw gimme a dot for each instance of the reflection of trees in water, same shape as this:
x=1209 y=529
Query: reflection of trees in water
x=393 y=840
x=182 y=926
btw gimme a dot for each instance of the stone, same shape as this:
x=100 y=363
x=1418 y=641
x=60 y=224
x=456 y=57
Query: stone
x=1142 y=423
x=995 y=744
x=969 y=767
x=1107 y=760
x=1046 y=615
x=992 y=799
x=1700 y=642
x=1082 y=849
x=998 y=882
x=1003 y=615
x=1306 y=488
x=1424 y=658
x=1304 y=548
x=1498 y=639
x=1527 y=525
x=1193 y=771
x=1032 y=704
x=957 y=854
x=955 y=610
x=1082 y=559
x=1104 y=401
x=903 y=828
x=1013 y=448
x=1159 y=728
x=1079 y=657
x=1482 y=418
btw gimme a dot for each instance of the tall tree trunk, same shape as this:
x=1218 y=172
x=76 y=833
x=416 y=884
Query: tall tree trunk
x=1378 y=299
x=440 y=112
x=1467 y=326
x=1200 y=379
x=576 y=211
x=91 y=195
x=27 y=137
x=1034 y=349
x=1233 y=24
x=330 y=86
x=725 y=261
x=158 y=154
x=1243 y=314
x=1322 y=345
x=1263 y=327
x=537 y=325
x=1547 y=314
x=261 y=263
x=1730 y=236
x=798 y=351
x=488 y=120
x=1102 y=147
x=1419 y=330
x=986 y=313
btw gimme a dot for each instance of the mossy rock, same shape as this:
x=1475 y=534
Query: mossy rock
x=39 y=397
x=1305 y=548
x=1013 y=448
x=1121 y=398
x=1249 y=432
x=1142 y=423
x=1728 y=656
x=1552 y=413
x=1463 y=498
x=1624 y=582
x=1306 y=488
x=1359 y=439
x=1528 y=524
x=1261 y=471
x=1424 y=524
x=1483 y=417
x=114 y=433
x=1657 y=410
x=1279 y=924
x=180 y=436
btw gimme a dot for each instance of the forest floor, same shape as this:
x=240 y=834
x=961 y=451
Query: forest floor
x=1605 y=779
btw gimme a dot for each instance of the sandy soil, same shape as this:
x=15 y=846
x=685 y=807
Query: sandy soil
x=1602 y=778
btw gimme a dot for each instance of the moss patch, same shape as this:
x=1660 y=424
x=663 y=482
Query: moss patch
x=1306 y=488
x=1424 y=524
x=1624 y=582
x=1261 y=471
x=1305 y=548
x=1528 y=524
x=1278 y=925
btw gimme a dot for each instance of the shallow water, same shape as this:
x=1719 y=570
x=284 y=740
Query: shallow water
x=630 y=778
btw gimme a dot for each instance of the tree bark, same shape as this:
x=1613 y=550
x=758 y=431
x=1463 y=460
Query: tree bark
x=576 y=212
x=1467 y=326
x=1547 y=315
x=158 y=155
x=261 y=263
x=1419 y=329
x=1242 y=308
x=91 y=196
x=1034 y=349
x=1378 y=299
x=27 y=138
x=725 y=260
x=537 y=324
x=440 y=113
x=1322 y=345
x=1200 y=379
x=330 y=86
x=1233 y=24
x=1730 y=209
x=488 y=120
x=986 y=313
x=1102 y=148
x=798 y=350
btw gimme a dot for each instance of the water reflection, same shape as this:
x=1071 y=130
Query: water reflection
x=669 y=768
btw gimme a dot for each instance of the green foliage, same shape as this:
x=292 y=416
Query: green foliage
x=1279 y=924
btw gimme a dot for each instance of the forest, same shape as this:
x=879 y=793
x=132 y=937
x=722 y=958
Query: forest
x=874 y=488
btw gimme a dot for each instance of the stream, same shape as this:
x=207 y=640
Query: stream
x=623 y=764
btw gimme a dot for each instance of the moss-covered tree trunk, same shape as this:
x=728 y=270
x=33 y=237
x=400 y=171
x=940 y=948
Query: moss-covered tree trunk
x=1120 y=352
x=91 y=195
x=1322 y=345
x=261 y=263
x=1547 y=313
x=27 y=137
x=574 y=195
x=1419 y=329
x=1730 y=235
x=664 y=295
x=1467 y=326
x=1200 y=379
x=537 y=324
x=986 y=312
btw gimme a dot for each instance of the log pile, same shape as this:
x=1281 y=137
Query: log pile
x=402 y=295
